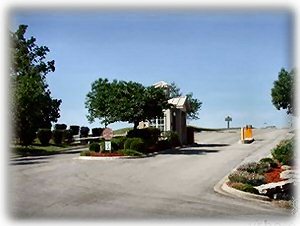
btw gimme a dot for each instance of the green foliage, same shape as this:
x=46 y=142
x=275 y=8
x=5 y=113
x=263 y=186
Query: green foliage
x=94 y=147
x=44 y=136
x=58 y=136
x=194 y=104
x=284 y=152
x=68 y=136
x=283 y=91
x=60 y=126
x=32 y=105
x=129 y=152
x=172 y=137
x=74 y=129
x=128 y=143
x=137 y=144
x=244 y=187
x=163 y=145
x=255 y=167
x=124 y=101
x=118 y=142
x=84 y=131
x=85 y=153
x=149 y=135
x=271 y=161
x=97 y=132
x=246 y=178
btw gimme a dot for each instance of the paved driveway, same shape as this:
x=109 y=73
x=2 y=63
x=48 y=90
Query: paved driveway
x=169 y=185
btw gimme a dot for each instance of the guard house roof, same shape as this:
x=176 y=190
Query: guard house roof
x=179 y=102
x=161 y=84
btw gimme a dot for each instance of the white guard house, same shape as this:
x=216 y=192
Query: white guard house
x=174 y=118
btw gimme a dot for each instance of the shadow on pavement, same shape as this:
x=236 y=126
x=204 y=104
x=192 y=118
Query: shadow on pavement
x=188 y=151
x=28 y=162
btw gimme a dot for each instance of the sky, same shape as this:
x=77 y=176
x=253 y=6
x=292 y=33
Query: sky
x=227 y=59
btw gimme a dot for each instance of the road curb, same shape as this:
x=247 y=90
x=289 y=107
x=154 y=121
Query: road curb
x=222 y=188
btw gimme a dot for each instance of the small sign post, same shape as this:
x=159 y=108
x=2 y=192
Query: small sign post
x=107 y=135
x=228 y=119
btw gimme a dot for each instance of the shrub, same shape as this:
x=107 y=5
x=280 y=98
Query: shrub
x=84 y=131
x=97 y=132
x=254 y=167
x=149 y=135
x=75 y=130
x=58 y=136
x=44 y=136
x=173 y=138
x=68 y=136
x=244 y=187
x=137 y=144
x=163 y=145
x=85 y=153
x=60 y=126
x=128 y=143
x=130 y=152
x=247 y=178
x=118 y=142
x=284 y=152
x=271 y=161
x=94 y=147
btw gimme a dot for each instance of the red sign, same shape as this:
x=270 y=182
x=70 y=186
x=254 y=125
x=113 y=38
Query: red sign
x=107 y=134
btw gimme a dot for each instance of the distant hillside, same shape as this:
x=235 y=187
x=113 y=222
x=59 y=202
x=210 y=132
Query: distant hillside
x=123 y=130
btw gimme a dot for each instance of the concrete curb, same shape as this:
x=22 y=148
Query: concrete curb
x=107 y=158
x=222 y=188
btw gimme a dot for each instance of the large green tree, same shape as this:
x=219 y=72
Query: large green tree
x=195 y=104
x=283 y=91
x=124 y=101
x=32 y=104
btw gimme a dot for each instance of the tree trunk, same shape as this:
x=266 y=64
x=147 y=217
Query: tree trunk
x=136 y=123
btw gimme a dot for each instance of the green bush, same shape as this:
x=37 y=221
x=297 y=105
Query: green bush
x=284 y=152
x=244 y=187
x=173 y=138
x=97 y=132
x=129 y=152
x=68 y=136
x=246 y=178
x=75 y=129
x=149 y=135
x=44 y=136
x=58 y=136
x=163 y=145
x=137 y=144
x=94 y=147
x=60 y=126
x=118 y=142
x=84 y=131
x=128 y=143
x=255 y=167
x=85 y=153
x=271 y=161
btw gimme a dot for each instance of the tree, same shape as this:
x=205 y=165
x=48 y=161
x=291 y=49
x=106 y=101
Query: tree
x=32 y=104
x=282 y=92
x=195 y=104
x=124 y=101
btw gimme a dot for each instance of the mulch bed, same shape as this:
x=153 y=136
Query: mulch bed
x=273 y=175
x=114 y=154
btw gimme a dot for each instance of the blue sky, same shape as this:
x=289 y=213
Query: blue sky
x=227 y=59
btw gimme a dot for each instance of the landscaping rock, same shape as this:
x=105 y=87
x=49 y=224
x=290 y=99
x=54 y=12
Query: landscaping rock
x=277 y=190
x=286 y=167
x=288 y=174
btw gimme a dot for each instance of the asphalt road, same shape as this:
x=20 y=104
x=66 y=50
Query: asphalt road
x=165 y=186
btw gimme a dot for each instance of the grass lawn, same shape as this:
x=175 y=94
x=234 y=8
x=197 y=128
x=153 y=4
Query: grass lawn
x=38 y=150
x=123 y=130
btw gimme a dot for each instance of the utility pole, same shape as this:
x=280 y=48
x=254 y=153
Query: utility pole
x=228 y=119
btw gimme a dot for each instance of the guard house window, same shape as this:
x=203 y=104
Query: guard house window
x=158 y=123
